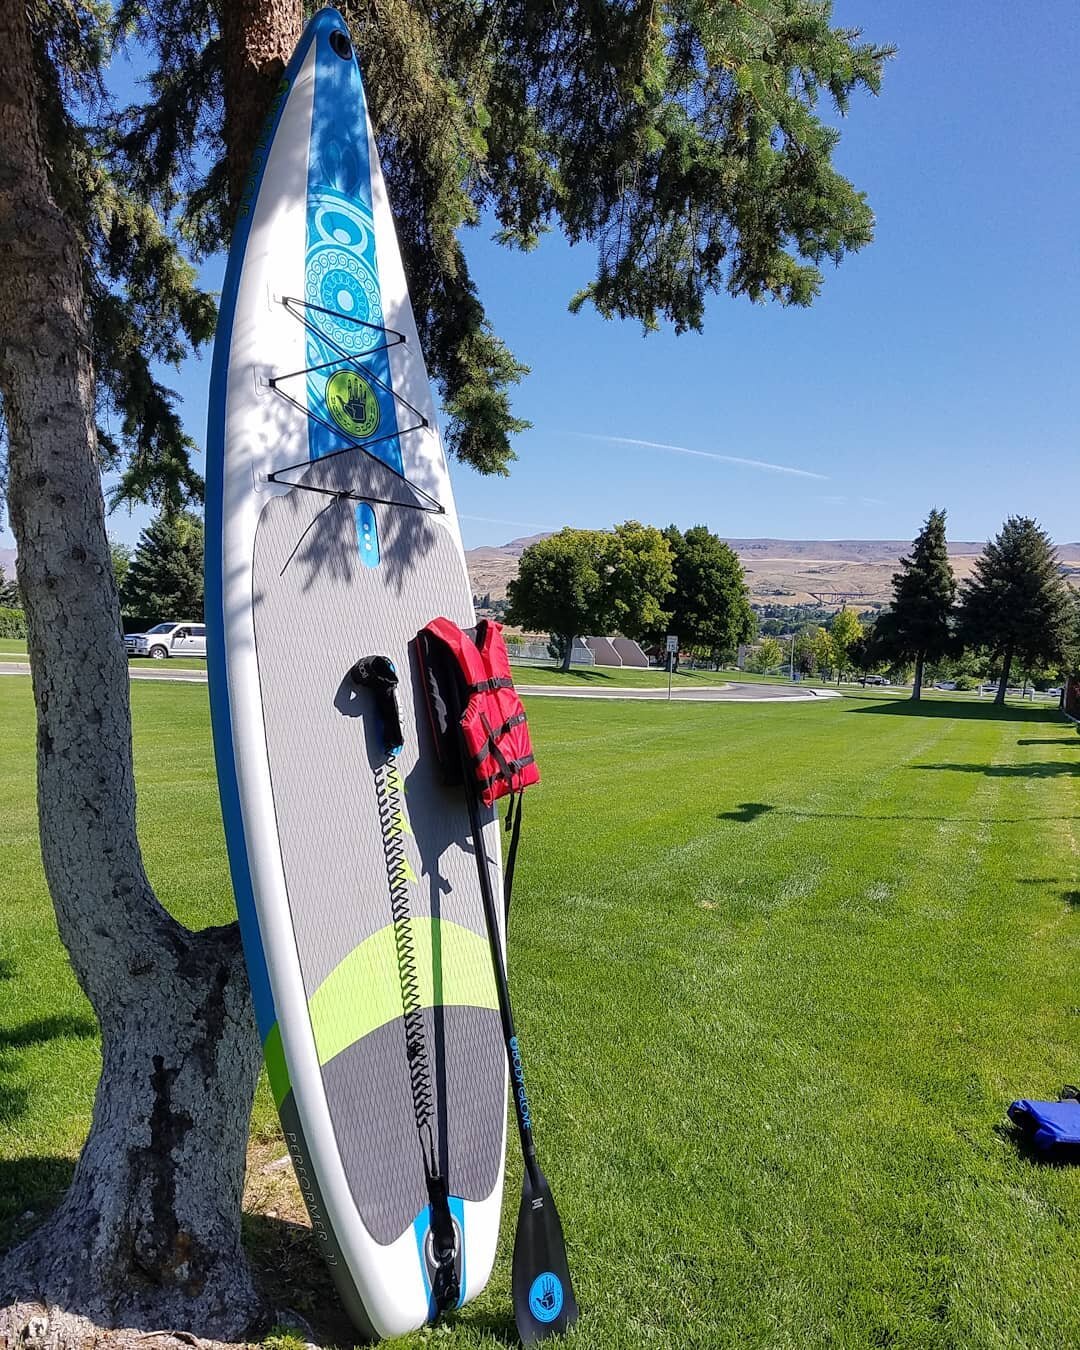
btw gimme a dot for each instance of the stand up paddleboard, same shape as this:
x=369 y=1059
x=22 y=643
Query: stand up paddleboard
x=331 y=539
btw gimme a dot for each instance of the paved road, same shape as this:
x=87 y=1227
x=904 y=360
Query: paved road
x=176 y=674
x=702 y=693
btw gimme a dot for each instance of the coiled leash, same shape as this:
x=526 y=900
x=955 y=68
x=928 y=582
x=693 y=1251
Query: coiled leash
x=378 y=675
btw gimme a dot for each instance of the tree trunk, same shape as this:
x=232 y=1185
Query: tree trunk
x=149 y=1233
x=1006 y=670
x=568 y=651
x=916 y=685
x=258 y=37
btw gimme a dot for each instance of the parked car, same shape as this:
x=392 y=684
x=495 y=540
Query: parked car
x=947 y=685
x=184 y=638
x=874 y=679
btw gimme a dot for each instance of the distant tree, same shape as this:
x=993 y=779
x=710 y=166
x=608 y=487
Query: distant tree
x=121 y=561
x=579 y=582
x=639 y=577
x=824 y=653
x=9 y=592
x=845 y=631
x=12 y=623
x=165 y=576
x=768 y=656
x=560 y=587
x=864 y=654
x=1016 y=604
x=805 y=639
x=709 y=604
x=917 y=626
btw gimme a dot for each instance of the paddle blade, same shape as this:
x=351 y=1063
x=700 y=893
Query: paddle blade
x=544 y=1303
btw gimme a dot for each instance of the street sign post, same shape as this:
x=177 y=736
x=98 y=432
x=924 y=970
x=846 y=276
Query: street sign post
x=671 y=646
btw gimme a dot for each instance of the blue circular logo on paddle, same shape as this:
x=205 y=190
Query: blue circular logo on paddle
x=546 y=1297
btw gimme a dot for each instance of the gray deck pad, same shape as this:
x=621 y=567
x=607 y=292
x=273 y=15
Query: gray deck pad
x=318 y=610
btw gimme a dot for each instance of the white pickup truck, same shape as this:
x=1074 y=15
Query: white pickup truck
x=184 y=638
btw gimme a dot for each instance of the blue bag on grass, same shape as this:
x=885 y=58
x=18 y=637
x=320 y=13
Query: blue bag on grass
x=1053 y=1128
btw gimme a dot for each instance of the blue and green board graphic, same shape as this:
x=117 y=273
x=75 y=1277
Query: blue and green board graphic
x=344 y=310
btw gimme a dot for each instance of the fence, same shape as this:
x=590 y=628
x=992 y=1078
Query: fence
x=537 y=654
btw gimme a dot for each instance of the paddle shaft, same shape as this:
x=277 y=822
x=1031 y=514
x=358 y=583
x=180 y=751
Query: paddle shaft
x=506 y=1015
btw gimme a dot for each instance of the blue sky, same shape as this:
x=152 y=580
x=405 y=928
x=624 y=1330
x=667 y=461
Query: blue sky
x=938 y=367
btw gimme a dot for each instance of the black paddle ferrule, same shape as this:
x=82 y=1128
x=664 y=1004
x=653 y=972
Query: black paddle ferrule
x=445 y=1284
x=379 y=674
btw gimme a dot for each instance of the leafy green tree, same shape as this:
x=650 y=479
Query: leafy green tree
x=845 y=631
x=824 y=652
x=9 y=592
x=165 y=576
x=561 y=587
x=578 y=582
x=804 y=649
x=918 y=625
x=639 y=576
x=709 y=605
x=1016 y=604
x=121 y=561
x=768 y=656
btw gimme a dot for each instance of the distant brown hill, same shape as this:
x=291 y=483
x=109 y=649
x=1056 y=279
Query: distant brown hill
x=779 y=571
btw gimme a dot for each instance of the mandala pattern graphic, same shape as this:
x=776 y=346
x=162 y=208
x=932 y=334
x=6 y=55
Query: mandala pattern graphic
x=342 y=277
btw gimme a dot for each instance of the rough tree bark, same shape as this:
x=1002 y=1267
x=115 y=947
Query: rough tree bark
x=1006 y=671
x=148 y=1235
x=258 y=38
x=916 y=684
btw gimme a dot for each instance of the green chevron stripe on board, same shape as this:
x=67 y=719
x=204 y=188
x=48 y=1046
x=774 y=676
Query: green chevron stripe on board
x=364 y=990
x=276 y=1069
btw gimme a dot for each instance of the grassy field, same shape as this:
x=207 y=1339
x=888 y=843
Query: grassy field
x=779 y=970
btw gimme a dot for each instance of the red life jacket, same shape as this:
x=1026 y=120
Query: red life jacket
x=468 y=679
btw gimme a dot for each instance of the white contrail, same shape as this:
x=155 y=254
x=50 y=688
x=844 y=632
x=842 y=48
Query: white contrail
x=498 y=520
x=705 y=454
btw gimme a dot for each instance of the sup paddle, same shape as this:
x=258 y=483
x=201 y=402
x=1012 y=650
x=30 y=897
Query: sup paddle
x=544 y=1303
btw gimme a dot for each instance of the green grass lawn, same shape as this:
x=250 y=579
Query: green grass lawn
x=778 y=969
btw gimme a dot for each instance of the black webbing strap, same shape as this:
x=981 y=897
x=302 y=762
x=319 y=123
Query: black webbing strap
x=490 y=745
x=497 y=755
x=489 y=686
x=513 y=824
x=445 y=1285
x=507 y=769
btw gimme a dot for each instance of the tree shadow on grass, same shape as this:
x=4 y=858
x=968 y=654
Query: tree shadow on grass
x=521 y=673
x=293 y=1277
x=1036 y=769
x=30 y=1188
x=1050 y=740
x=746 y=812
x=966 y=711
x=14 y=1097
x=1071 y=897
